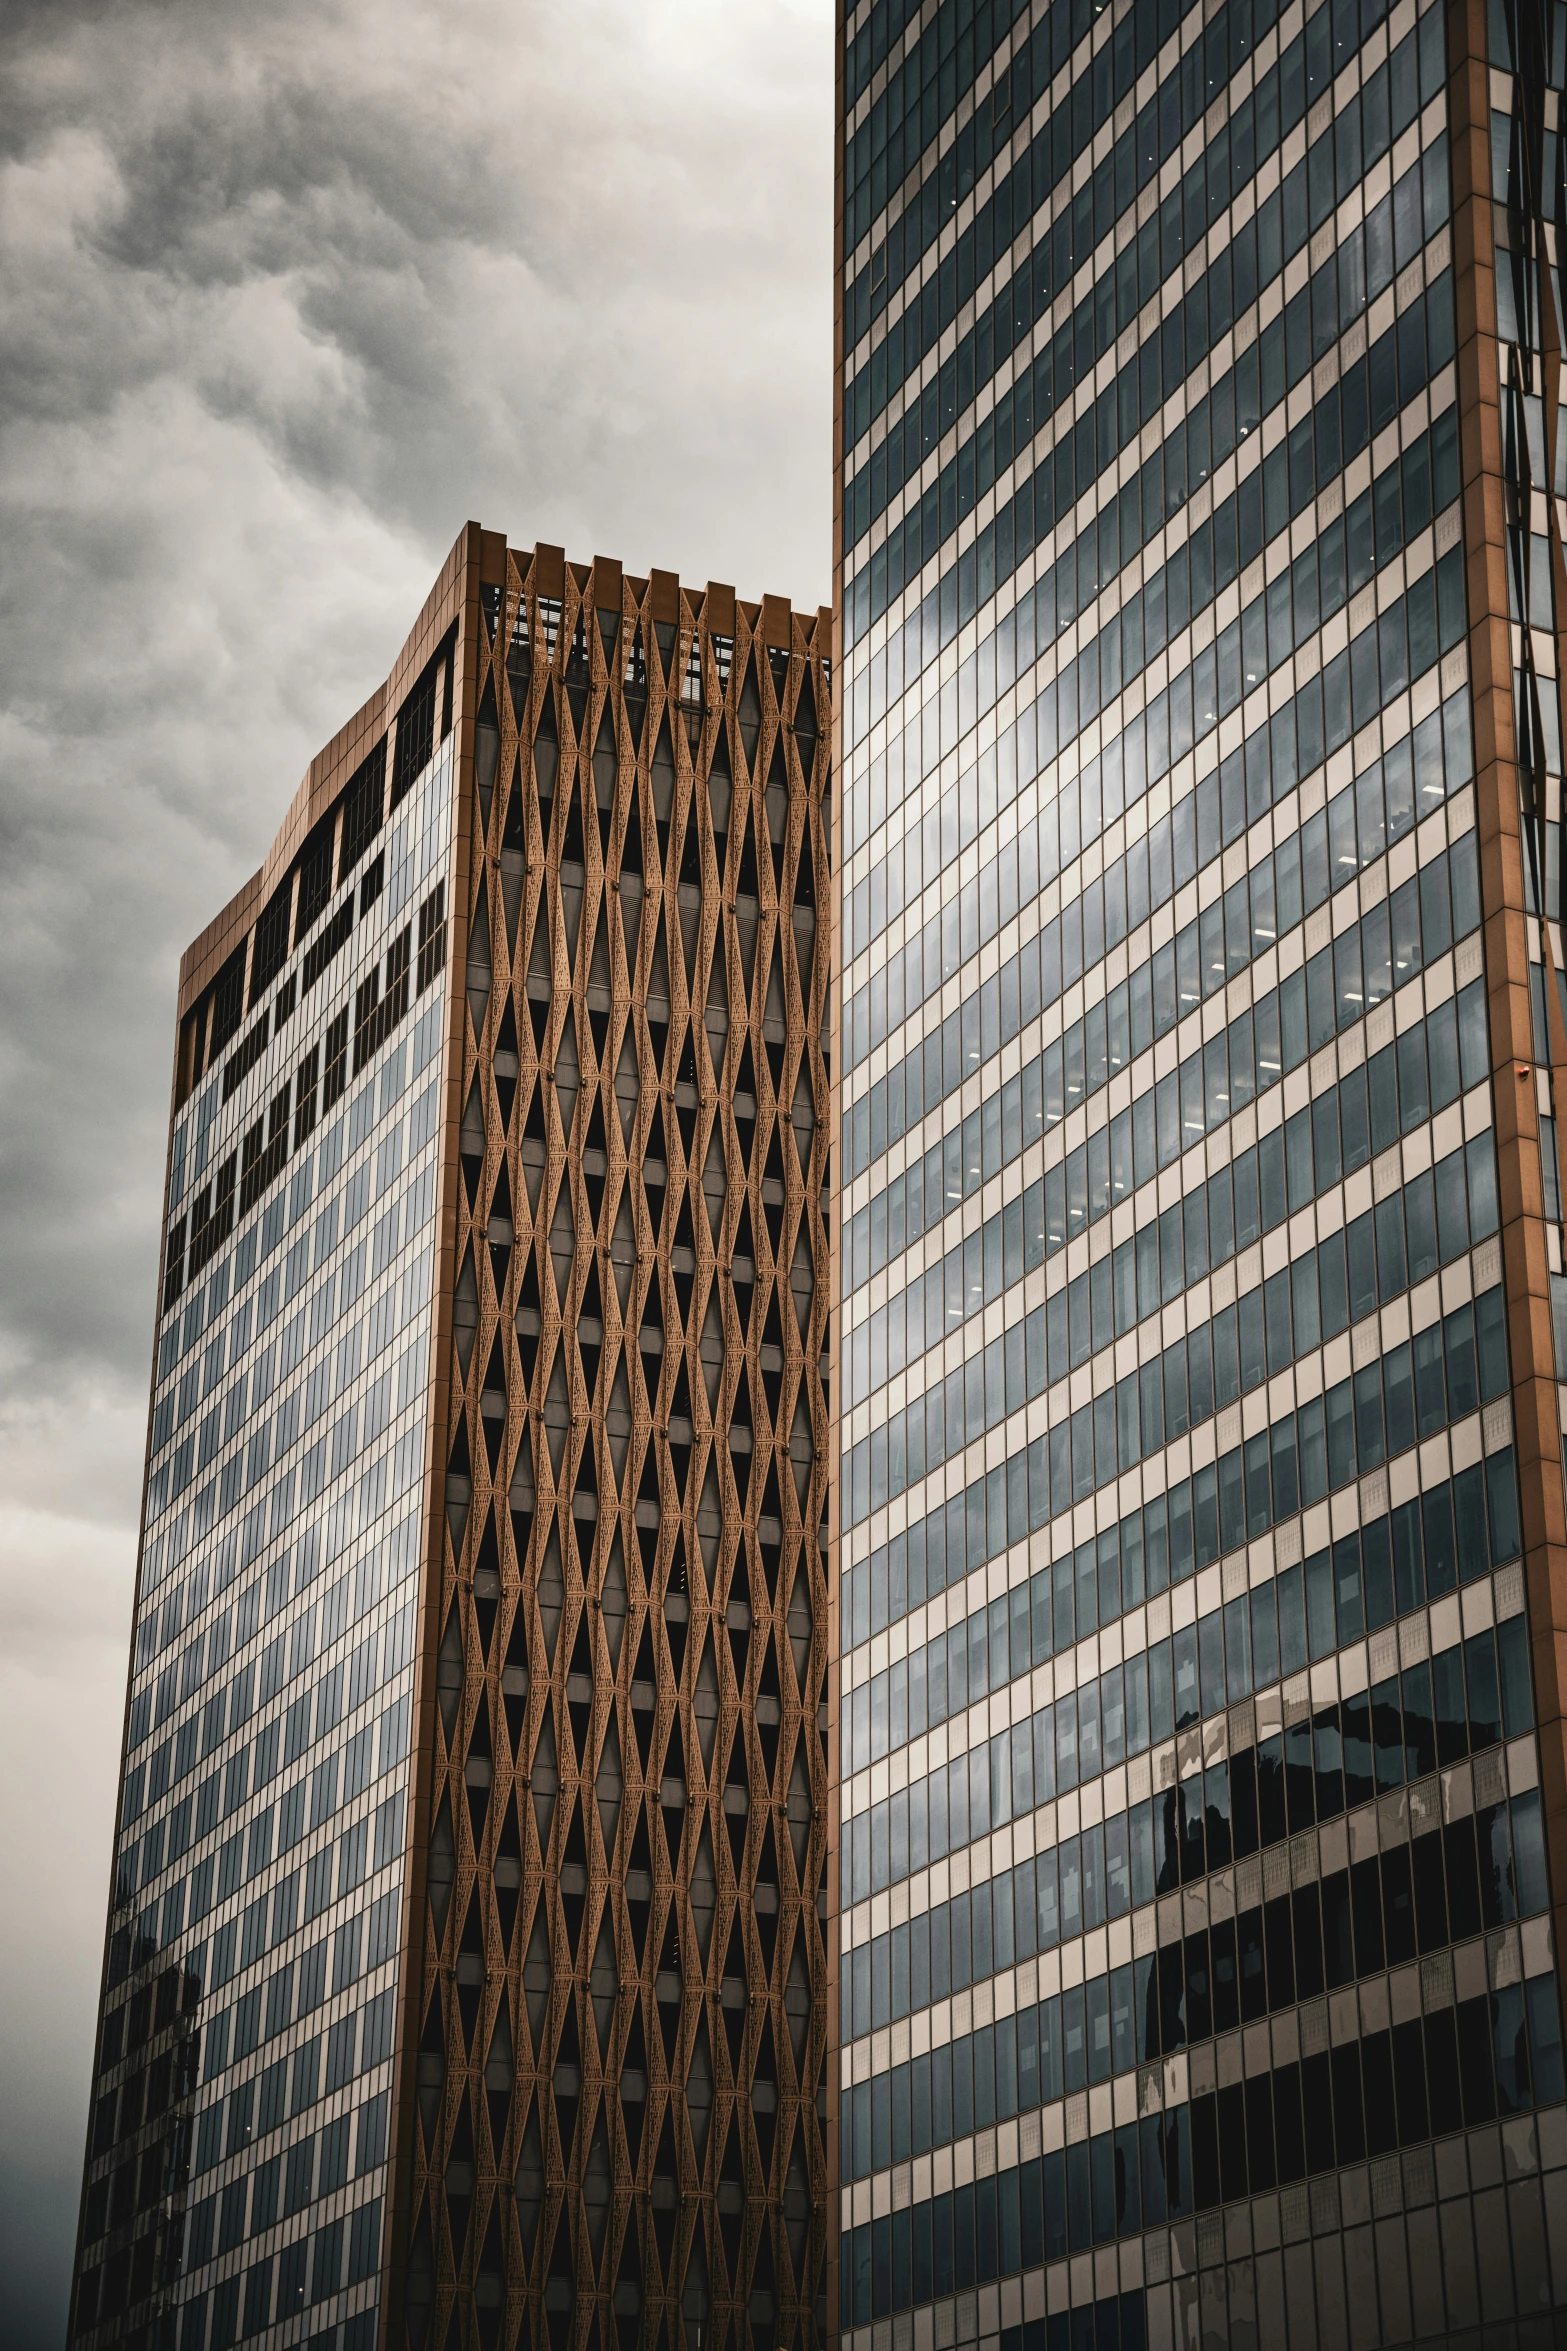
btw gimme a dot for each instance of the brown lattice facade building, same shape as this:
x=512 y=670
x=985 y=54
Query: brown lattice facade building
x=464 y=1977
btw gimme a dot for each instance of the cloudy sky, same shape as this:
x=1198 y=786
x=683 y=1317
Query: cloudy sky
x=288 y=292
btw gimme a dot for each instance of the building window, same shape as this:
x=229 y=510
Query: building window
x=432 y=936
x=336 y=1077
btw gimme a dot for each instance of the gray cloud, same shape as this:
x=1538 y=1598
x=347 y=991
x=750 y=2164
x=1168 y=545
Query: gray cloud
x=286 y=295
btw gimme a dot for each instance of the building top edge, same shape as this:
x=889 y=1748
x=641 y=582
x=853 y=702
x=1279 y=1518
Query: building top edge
x=331 y=768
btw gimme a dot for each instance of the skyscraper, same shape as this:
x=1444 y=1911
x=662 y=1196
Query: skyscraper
x=463 y=1969
x=1197 y=1697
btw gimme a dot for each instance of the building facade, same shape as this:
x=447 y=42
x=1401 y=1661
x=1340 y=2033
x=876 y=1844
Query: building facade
x=1197 y=1699
x=463 y=1976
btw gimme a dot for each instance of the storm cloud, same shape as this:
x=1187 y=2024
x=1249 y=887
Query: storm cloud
x=287 y=294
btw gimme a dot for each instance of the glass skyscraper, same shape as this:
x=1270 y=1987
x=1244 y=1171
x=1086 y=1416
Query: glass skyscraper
x=237 y=2157
x=465 y=1950
x=1198 y=1731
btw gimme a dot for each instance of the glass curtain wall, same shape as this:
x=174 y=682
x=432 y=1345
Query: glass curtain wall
x=1195 y=1962
x=237 y=2160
